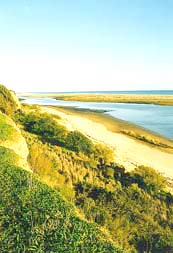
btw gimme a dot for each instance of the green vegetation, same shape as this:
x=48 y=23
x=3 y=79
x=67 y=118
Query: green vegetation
x=7 y=156
x=137 y=220
x=78 y=142
x=149 y=180
x=49 y=130
x=35 y=218
x=121 y=126
x=7 y=103
x=44 y=126
x=147 y=139
x=77 y=199
x=134 y=207
x=6 y=130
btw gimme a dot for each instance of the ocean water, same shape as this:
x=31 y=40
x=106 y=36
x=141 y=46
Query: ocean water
x=136 y=92
x=156 y=118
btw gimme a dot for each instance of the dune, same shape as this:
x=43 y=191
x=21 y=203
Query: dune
x=128 y=152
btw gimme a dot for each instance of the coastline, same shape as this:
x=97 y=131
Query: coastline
x=166 y=100
x=129 y=151
x=120 y=126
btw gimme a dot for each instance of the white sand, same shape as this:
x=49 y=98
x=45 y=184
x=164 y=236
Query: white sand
x=128 y=152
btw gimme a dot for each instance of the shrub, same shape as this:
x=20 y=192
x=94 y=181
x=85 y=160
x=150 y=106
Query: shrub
x=79 y=143
x=44 y=126
x=150 y=180
x=103 y=154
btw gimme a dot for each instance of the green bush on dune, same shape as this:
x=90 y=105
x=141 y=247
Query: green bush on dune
x=50 y=131
x=79 y=143
x=44 y=126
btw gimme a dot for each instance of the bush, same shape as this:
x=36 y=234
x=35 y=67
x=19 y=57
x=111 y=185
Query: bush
x=150 y=180
x=44 y=126
x=79 y=143
x=103 y=154
x=48 y=129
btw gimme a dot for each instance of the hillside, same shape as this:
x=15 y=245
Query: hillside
x=8 y=101
x=35 y=217
x=76 y=197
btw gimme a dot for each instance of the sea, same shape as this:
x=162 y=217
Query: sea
x=135 y=92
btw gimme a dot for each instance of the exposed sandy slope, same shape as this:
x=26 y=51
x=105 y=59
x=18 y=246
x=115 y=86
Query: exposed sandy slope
x=18 y=144
x=129 y=152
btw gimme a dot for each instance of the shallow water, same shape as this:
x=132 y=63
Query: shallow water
x=156 y=118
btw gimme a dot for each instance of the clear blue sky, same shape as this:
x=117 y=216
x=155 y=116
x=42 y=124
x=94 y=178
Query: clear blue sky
x=68 y=45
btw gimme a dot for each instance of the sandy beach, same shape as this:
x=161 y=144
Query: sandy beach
x=128 y=152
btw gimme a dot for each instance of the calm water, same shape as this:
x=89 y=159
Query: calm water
x=154 y=117
x=136 y=92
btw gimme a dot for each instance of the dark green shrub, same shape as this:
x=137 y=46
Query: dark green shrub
x=44 y=126
x=79 y=143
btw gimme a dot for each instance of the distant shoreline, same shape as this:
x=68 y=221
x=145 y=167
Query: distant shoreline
x=110 y=98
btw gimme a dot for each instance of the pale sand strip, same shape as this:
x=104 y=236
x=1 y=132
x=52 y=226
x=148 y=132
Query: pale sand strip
x=128 y=152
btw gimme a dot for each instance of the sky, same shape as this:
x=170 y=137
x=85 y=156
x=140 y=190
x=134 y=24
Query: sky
x=86 y=45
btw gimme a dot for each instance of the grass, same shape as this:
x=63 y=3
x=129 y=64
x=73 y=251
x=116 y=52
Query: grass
x=6 y=130
x=8 y=156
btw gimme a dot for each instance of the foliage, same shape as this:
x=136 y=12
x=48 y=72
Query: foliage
x=50 y=131
x=150 y=180
x=103 y=154
x=6 y=130
x=7 y=156
x=35 y=218
x=137 y=220
x=7 y=103
x=79 y=143
x=133 y=208
x=44 y=126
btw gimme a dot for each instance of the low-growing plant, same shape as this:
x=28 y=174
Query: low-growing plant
x=79 y=143
x=6 y=130
x=35 y=218
x=7 y=156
